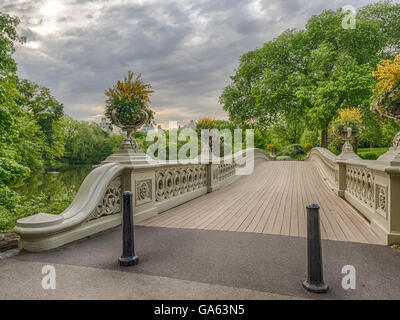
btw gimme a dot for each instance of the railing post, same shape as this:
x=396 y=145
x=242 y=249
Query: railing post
x=315 y=280
x=341 y=179
x=212 y=176
x=389 y=201
x=128 y=257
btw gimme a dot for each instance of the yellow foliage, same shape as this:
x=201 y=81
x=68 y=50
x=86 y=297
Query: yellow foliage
x=206 y=123
x=350 y=113
x=388 y=74
x=308 y=146
x=130 y=88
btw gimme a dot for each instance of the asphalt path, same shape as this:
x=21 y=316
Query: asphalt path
x=200 y=264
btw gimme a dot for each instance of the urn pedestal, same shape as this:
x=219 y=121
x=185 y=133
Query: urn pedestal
x=129 y=153
x=347 y=149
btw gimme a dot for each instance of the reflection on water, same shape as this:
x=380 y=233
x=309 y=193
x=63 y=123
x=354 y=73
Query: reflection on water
x=66 y=182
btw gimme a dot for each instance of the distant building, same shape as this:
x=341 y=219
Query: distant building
x=105 y=124
x=146 y=128
x=190 y=125
x=151 y=127
x=159 y=129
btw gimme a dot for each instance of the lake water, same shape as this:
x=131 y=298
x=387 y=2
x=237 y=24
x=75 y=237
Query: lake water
x=66 y=181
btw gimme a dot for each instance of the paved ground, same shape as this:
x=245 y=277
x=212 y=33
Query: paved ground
x=273 y=200
x=77 y=282
x=201 y=264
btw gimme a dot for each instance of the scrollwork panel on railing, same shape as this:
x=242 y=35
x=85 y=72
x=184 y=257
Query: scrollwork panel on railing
x=226 y=170
x=111 y=202
x=172 y=182
x=143 y=192
x=360 y=184
x=381 y=195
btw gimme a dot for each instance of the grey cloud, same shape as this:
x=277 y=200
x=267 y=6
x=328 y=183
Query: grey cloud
x=187 y=61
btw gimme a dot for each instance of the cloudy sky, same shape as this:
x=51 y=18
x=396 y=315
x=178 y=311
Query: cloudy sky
x=186 y=49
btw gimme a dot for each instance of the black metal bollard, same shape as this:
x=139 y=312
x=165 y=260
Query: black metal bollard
x=315 y=280
x=128 y=257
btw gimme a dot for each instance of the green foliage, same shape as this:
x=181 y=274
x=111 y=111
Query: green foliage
x=87 y=143
x=47 y=112
x=308 y=147
x=206 y=123
x=371 y=153
x=41 y=203
x=272 y=147
x=11 y=167
x=309 y=137
x=283 y=158
x=291 y=151
x=129 y=100
x=339 y=127
x=8 y=35
x=311 y=74
x=34 y=135
x=260 y=140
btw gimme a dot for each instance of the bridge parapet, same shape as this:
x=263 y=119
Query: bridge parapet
x=371 y=186
x=156 y=187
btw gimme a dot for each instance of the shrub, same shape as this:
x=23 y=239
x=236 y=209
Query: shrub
x=259 y=140
x=272 y=147
x=283 y=158
x=25 y=208
x=308 y=147
x=309 y=136
x=369 y=156
x=206 y=123
x=291 y=150
x=371 y=153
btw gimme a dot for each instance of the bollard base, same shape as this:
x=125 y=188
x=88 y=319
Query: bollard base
x=320 y=288
x=128 y=261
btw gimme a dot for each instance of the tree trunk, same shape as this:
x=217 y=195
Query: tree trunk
x=355 y=144
x=324 y=138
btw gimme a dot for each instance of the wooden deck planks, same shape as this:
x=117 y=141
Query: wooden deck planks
x=272 y=200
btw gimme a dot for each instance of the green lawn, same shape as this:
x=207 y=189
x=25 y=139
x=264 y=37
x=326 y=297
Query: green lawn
x=371 y=153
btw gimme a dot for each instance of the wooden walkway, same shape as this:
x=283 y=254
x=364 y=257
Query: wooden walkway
x=272 y=200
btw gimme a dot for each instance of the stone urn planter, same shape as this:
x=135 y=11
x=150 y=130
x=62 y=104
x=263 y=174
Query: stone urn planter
x=129 y=153
x=347 y=149
x=127 y=106
x=130 y=124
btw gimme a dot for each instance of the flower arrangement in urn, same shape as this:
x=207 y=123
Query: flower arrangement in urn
x=127 y=105
x=348 y=118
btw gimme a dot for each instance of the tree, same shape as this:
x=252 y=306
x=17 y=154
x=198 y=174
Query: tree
x=311 y=74
x=263 y=88
x=11 y=168
x=87 y=143
x=8 y=35
x=47 y=112
x=386 y=97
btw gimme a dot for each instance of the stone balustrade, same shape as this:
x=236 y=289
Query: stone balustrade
x=371 y=186
x=156 y=187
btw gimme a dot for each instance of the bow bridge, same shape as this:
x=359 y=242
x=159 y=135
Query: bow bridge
x=357 y=197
